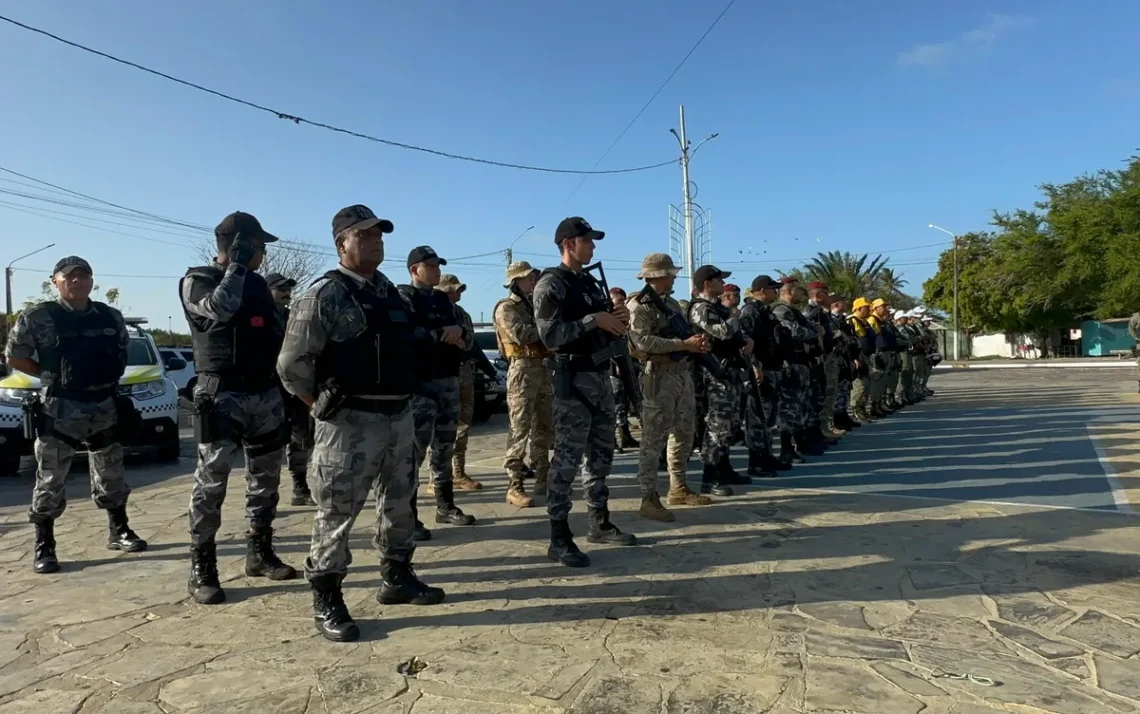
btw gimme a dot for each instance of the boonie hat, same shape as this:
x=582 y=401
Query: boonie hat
x=70 y=263
x=360 y=217
x=657 y=265
x=448 y=283
x=518 y=269
x=423 y=253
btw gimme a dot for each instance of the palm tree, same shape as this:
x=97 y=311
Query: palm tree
x=888 y=284
x=846 y=273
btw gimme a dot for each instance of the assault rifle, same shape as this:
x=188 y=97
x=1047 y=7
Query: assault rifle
x=681 y=329
x=617 y=348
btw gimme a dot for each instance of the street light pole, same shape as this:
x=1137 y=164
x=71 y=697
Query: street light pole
x=957 y=331
x=511 y=247
x=690 y=257
x=8 y=276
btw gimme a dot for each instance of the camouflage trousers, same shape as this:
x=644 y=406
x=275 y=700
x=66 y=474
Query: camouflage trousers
x=253 y=423
x=355 y=452
x=817 y=392
x=757 y=424
x=621 y=406
x=300 y=442
x=668 y=412
x=770 y=399
x=435 y=411
x=583 y=416
x=795 y=392
x=529 y=403
x=723 y=416
x=894 y=367
x=906 y=376
x=832 y=364
x=842 y=395
x=466 y=416
x=77 y=422
x=700 y=379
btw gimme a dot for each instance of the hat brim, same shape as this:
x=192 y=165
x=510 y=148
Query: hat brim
x=68 y=269
x=286 y=283
x=452 y=288
x=658 y=273
x=386 y=226
x=592 y=235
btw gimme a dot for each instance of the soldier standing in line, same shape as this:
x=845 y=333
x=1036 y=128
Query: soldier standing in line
x=530 y=432
x=78 y=349
x=731 y=299
x=436 y=403
x=236 y=332
x=907 y=347
x=824 y=370
x=573 y=323
x=888 y=351
x=757 y=322
x=296 y=411
x=931 y=342
x=622 y=436
x=668 y=407
x=731 y=348
x=850 y=359
x=865 y=388
x=450 y=286
x=795 y=384
x=350 y=354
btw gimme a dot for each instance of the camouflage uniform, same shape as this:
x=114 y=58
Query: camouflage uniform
x=795 y=382
x=529 y=396
x=846 y=352
x=904 y=393
x=723 y=393
x=466 y=404
x=863 y=386
x=758 y=322
x=668 y=407
x=880 y=365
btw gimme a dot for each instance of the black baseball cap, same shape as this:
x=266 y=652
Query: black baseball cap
x=70 y=263
x=576 y=227
x=277 y=280
x=360 y=217
x=708 y=272
x=761 y=282
x=244 y=223
x=421 y=253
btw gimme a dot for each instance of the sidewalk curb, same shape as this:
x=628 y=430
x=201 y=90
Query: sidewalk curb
x=1038 y=364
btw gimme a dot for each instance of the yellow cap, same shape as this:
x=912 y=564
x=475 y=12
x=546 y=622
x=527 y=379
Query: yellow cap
x=860 y=302
x=879 y=302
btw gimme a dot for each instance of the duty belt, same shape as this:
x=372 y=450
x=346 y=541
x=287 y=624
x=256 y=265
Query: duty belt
x=390 y=407
x=578 y=363
x=82 y=395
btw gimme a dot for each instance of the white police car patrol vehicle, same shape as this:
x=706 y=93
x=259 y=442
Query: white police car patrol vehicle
x=145 y=381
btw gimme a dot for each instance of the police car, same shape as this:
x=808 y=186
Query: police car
x=490 y=395
x=145 y=381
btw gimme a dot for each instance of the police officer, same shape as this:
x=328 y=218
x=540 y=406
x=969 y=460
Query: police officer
x=78 y=348
x=530 y=433
x=436 y=403
x=622 y=436
x=710 y=317
x=823 y=368
x=757 y=322
x=907 y=349
x=350 y=354
x=296 y=411
x=869 y=370
x=668 y=407
x=795 y=383
x=885 y=357
x=573 y=323
x=451 y=286
x=848 y=356
x=236 y=332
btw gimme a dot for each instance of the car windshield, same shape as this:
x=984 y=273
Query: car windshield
x=139 y=353
x=486 y=341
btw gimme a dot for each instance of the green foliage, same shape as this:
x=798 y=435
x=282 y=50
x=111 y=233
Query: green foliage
x=165 y=338
x=856 y=276
x=1072 y=257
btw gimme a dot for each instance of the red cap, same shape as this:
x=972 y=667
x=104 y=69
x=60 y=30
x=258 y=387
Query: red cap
x=816 y=285
x=788 y=280
x=731 y=288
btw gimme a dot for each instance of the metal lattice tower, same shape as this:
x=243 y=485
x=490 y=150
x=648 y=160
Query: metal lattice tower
x=702 y=237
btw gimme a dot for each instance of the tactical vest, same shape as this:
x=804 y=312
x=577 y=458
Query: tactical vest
x=511 y=349
x=864 y=333
x=766 y=336
x=435 y=311
x=583 y=297
x=381 y=360
x=881 y=343
x=87 y=354
x=243 y=350
x=794 y=349
x=724 y=350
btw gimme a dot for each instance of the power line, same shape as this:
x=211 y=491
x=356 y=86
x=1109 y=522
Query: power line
x=650 y=101
x=101 y=274
x=300 y=120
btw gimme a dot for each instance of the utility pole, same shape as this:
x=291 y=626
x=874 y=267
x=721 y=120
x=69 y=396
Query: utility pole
x=8 y=276
x=511 y=248
x=957 y=331
x=690 y=257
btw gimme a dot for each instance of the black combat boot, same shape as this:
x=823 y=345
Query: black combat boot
x=788 y=453
x=562 y=548
x=302 y=496
x=445 y=509
x=625 y=439
x=818 y=435
x=602 y=531
x=771 y=463
x=45 y=560
x=728 y=475
x=806 y=444
x=260 y=559
x=119 y=534
x=400 y=586
x=756 y=465
x=330 y=614
x=710 y=482
x=420 y=533
x=203 y=585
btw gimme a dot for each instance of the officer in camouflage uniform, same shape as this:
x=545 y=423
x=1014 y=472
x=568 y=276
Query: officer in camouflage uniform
x=296 y=411
x=824 y=369
x=862 y=405
x=449 y=285
x=668 y=407
x=529 y=397
x=236 y=332
x=757 y=322
x=907 y=346
x=848 y=356
x=78 y=349
x=931 y=342
x=795 y=383
x=350 y=353
x=436 y=403
x=731 y=348
x=569 y=306
x=622 y=436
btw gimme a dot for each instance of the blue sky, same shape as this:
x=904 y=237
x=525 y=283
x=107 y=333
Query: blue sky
x=843 y=126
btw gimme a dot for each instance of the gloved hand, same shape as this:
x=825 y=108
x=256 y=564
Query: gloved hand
x=242 y=251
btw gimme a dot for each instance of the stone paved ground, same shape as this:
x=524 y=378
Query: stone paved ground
x=774 y=601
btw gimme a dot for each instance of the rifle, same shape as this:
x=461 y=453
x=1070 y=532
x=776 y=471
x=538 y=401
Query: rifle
x=617 y=348
x=681 y=329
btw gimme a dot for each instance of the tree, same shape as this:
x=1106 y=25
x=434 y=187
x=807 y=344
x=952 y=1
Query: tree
x=300 y=261
x=49 y=293
x=846 y=273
